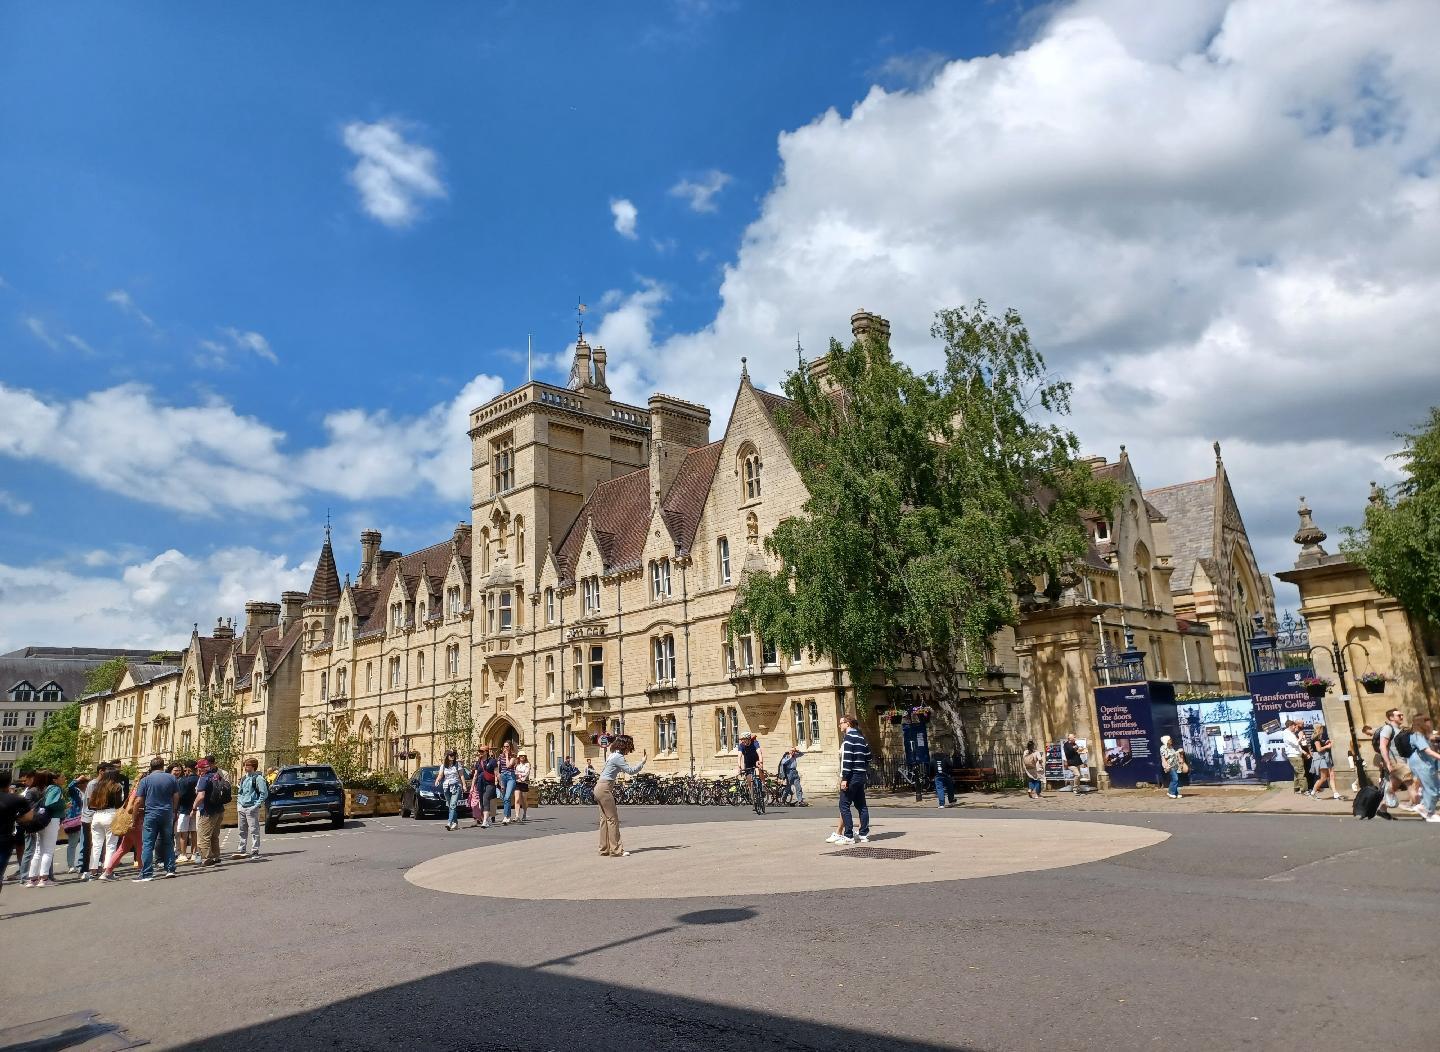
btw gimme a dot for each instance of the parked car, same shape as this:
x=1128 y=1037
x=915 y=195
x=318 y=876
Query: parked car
x=422 y=797
x=306 y=793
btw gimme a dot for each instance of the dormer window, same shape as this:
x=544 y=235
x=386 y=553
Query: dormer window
x=660 y=579
x=1102 y=530
x=344 y=631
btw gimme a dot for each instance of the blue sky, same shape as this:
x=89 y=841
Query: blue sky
x=258 y=259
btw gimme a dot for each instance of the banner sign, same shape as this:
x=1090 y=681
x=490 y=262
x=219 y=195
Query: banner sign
x=1279 y=697
x=1127 y=732
x=917 y=746
x=1055 y=769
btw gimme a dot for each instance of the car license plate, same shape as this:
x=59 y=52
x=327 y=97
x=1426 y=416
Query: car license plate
x=308 y=792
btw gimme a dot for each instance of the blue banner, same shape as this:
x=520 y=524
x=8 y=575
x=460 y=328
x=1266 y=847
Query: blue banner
x=1279 y=697
x=1128 y=735
x=917 y=746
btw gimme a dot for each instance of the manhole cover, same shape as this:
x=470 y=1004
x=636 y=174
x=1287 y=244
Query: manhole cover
x=880 y=852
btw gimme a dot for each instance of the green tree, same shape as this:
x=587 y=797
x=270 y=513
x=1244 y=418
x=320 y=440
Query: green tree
x=56 y=744
x=1399 y=544
x=222 y=730
x=346 y=753
x=932 y=497
x=106 y=676
x=455 y=723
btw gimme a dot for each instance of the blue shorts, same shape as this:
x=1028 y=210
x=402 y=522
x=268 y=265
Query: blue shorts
x=1036 y=785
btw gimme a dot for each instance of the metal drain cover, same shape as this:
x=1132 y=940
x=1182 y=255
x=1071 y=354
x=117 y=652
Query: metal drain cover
x=895 y=853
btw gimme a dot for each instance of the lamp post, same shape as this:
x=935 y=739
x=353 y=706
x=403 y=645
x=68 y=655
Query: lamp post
x=1337 y=658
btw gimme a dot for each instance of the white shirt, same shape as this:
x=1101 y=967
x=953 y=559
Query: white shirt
x=1290 y=741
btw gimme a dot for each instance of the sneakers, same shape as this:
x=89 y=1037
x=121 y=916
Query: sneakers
x=864 y=838
x=834 y=838
x=141 y=880
x=85 y=876
x=1173 y=796
x=940 y=805
x=237 y=854
x=167 y=874
x=844 y=841
x=505 y=822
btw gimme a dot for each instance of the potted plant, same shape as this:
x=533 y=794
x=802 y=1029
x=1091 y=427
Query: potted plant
x=920 y=714
x=1316 y=686
x=1373 y=682
x=897 y=717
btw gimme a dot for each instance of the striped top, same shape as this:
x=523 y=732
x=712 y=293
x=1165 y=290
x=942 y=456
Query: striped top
x=854 y=755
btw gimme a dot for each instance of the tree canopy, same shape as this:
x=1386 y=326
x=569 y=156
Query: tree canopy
x=56 y=743
x=106 y=676
x=931 y=497
x=1399 y=544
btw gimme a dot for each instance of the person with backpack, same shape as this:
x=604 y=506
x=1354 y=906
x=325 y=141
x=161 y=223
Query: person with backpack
x=1392 y=750
x=43 y=822
x=212 y=793
x=1424 y=763
x=13 y=807
x=249 y=805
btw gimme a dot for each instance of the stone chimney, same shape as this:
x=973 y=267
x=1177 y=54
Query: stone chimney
x=599 y=371
x=863 y=323
x=369 y=557
x=291 y=604
x=580 y=370
x=461 y=537
x=224 y=628
x=676 y=427
x=259 y=616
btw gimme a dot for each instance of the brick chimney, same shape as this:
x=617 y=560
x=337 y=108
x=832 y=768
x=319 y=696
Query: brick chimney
x=369 y=557
x=291 y=604
x=676 y=427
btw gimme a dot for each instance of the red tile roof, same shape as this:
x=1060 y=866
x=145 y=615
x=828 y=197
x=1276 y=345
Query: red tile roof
x=435 y=557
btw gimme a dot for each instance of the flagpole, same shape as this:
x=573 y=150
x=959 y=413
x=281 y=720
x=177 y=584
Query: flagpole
x=529 y=361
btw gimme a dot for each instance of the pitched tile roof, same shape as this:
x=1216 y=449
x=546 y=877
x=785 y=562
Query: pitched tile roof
x=211 y=651
x=685 y=502
x=409 y=567
x=145 y=672
x=325 y=586
x=1189 y=508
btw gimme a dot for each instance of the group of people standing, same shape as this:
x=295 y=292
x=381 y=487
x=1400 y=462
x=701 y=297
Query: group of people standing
x=492 y=777
x=172 y=814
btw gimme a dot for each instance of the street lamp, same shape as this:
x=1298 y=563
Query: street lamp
x=1337 y=658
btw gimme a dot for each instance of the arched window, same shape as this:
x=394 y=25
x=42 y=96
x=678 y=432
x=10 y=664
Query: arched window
x=519 y=539
x=369 y=676
x=1145 y=594
x=749 y=472
x=660 y=579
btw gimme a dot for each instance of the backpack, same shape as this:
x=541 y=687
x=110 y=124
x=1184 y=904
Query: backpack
x=34 y=820
x=220 y=792
x=1402 y=744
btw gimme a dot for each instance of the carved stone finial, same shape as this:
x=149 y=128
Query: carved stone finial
x=1309 y=536
x=1377 y=495
x=1123 y=455
x=1217 y=451
x=744 y=367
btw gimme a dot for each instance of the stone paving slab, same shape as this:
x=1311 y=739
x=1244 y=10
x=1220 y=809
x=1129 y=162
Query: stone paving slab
x=762 y=857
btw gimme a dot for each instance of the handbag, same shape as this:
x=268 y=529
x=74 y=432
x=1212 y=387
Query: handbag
x=122 y=823
x=1184 y=767
x=71 y=824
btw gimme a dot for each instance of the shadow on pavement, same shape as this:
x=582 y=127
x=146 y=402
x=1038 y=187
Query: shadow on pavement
x=42 y=909
x=502 y=1007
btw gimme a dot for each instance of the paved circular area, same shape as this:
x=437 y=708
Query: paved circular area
x=759 y=858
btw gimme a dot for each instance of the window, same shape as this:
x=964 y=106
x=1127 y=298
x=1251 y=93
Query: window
x=550 y=675
x=50 y=694
x=722 y=559
x=662 y=651
x=185 y=744
x=189 y=703
x=164 y=697
x=344 y=631
x=27 y=742
x=452 y=660
x=550 y=752
x=549 y=606
x=768 y=657
x=7 y=743
x=665 y=734
x=727 y=728
x=341 y=679
x=502 y=464
x=452 y=601
x=727 y=651
x=369 y=676
x=490 y=612
x=324 y=686
x=506 y=616
x=11 y=718
x=750 y=472
x=395 y=672
x=1102 y=530
x=519 y=540
x=807 y=723
x=597 y=667
x=30 y=718
x=420 y=667
x=254 y=732
x=420 y=615
x=747 y=653
x=590 y=594
x=577 y=680
x=519 y=677
x=660 y=579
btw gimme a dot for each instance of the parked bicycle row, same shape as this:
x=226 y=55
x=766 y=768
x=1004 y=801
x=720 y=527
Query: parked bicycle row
x=674 y=789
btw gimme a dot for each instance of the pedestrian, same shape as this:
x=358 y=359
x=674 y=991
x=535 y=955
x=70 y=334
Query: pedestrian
x=505 y=769
x=451 y=780
x=522 y=786
x=1389 y=762
x=473 y=797
x=489 y=788
x=1033 y=764
x=1294 y=752
x=212 y=793
x=72 y=824
x=1322 y=762
x=590 y=775
x=789 y=774
x=1074 y=761
x=940 y=768
x=567 y=772
x=13 y=806
x=752 y=770
x=1424 y=762
x=87 y=830
x=185 y=816
x=250 y=797
x=1170 y=762
x=159 y=795
x=49 y=807
x=854 y=770
x=620 y=747
x=106 y=799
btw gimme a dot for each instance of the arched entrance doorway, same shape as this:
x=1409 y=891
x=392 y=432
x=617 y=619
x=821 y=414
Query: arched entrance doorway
x=499 y=731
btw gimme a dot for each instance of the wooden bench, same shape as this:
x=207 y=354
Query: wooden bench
x=973 y=777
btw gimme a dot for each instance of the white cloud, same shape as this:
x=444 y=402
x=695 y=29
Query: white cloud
x=208 y=458
x=253 y=342
x=38 y=330
x=700 y=193
x=219 y=352
x=393 y=176
x=625 y=215
x=1218 y=228
x=123 y=300
x=142 y=603
x=13 y=504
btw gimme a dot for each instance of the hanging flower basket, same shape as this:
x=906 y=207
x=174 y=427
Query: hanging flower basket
x=1373 y=682
x=920 y=714
x=897 y=717
x=1316 y=686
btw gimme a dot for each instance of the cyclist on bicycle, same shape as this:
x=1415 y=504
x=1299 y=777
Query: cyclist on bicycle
x=752 y=768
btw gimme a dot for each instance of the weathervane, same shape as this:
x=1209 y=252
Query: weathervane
x=579 y=319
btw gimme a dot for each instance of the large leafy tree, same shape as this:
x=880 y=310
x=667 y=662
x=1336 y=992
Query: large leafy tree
x=105 y=676
x=57 y=744
x=1399 y=544
x=932 y=498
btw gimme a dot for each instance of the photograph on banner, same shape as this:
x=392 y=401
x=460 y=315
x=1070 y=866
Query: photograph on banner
x=1220 y=739
x=1278 y=698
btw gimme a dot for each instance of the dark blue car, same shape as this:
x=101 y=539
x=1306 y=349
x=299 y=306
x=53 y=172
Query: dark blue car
x=422 y=797
x=306 y=793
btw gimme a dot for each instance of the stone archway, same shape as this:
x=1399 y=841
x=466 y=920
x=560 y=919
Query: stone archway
x=500 y=730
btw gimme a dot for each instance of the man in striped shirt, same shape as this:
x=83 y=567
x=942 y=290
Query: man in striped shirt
x=854 y=769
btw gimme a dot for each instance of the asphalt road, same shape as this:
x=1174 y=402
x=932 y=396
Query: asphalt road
x=1273 y=932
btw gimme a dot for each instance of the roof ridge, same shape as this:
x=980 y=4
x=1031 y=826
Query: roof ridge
x=1177 y=485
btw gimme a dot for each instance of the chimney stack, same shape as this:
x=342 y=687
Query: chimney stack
x=863 y=323
x=369 y=557
x=599 y=371
x=676 y=427
x=259 y=616
x=223 y=630
x=291 y=604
